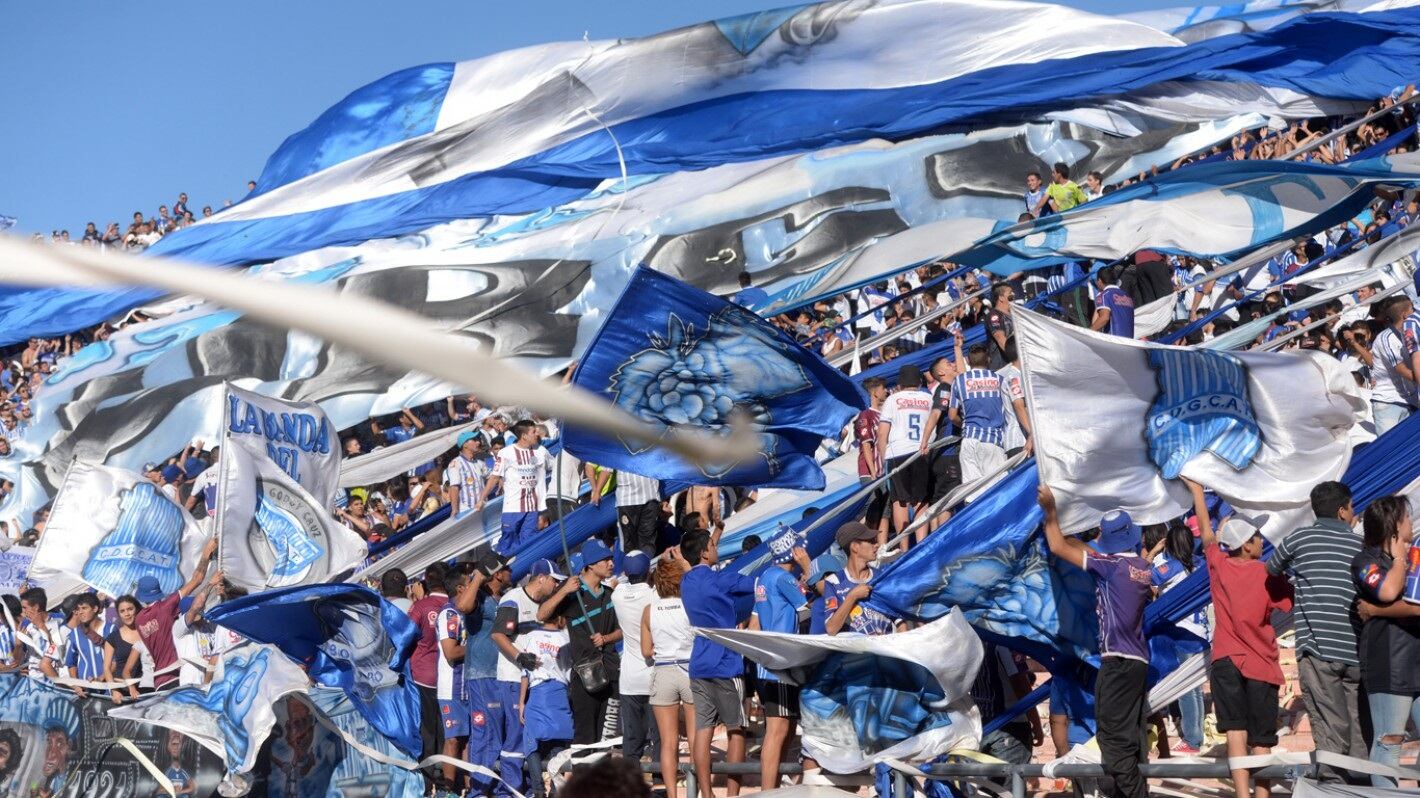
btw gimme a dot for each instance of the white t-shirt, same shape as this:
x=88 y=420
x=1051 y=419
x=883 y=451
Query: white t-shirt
x=449 y=626
x=193 y=647
x=526 y=608
x=906 y=412
x=553 y=650
x=469 y=477
x=566 y=481
x=524 y=473
x=629 y=600
x=1011 y=390
x=1390 y=385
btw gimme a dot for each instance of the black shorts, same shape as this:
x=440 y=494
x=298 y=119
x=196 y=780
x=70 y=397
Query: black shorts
x=908 y=486
x=779 y=700
x=1244 y=704
x=946 y=474
x=877 y=503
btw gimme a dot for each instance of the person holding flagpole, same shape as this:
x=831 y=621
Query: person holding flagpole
x=160 y=613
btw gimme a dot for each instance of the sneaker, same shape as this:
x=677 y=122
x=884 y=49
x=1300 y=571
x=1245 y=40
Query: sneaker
x=1184 y=749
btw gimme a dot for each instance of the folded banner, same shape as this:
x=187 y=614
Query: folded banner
x=1118 y=421
x=1208 y=210
x=346 y=636
x=387 y=461
x=866 y=700
x=296 y=436
x=233 y=716
x=681 y=358
x=271 y=532
x=109 y=528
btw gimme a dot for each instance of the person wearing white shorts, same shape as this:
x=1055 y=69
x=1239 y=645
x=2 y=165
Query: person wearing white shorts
x=666 y=641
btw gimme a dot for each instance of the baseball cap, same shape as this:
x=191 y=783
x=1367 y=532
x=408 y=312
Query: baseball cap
x=492 y=562
x=594 y=551
x=150 y=467
x=781 y=546
x=171 y=473
x=636 y=563
x=468 y=435
x=1118 y=533
x=854 y=530
x=148 y=590
x=546 y=567
x=1235 y=532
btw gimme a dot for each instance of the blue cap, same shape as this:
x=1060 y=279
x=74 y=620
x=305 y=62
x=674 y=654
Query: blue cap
x=1118 y=533
x=636 y=563
x=194 y=466
x=148 y=590
x=781 y=546
x=593 y=551
x=1297 y=315
x=171 y=473
x=468 y=435
x=546 y=567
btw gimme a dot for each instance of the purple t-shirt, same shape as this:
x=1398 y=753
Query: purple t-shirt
x=1121 y=311
x=1123 y=587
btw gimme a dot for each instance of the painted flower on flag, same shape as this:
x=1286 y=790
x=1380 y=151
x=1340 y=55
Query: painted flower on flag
x=707 y=378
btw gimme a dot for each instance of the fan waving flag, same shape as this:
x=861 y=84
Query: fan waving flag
x=347 y=637
x=1118 y=420
x=683 y=359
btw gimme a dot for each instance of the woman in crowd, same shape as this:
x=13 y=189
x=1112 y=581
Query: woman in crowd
x=1390 y=639
x=125 y=656
x=666 y=639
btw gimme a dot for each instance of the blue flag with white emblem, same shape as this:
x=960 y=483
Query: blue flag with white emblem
x=682 y=359
x=1202 y=405
x=346 y=636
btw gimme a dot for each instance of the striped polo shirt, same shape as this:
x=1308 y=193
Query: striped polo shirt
x=977 y=393
x=84 y=655
x=1317 y=559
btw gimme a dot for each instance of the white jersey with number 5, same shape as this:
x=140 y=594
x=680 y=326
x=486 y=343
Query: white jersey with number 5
x=907 y=412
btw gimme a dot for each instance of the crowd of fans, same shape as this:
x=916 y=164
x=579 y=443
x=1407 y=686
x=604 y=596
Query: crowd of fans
x=601 y=644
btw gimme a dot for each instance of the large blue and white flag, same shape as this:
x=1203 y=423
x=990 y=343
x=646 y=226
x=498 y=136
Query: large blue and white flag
x=295 y=436
x=525 y=130
x=234 y=714
x=679 y=358
x=1209 y=210
x=271 y=531
x=865 y=700
x=1117 y=420
x=345 y=636
x=111 y=527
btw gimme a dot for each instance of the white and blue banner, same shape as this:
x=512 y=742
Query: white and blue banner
x=271 y=531
x=1210 y=210
x=295 y=436
x=109 y=528
x=1118 y=420
x=233 y=716
x=684 y=360
x=345 y=636
x=865 y=700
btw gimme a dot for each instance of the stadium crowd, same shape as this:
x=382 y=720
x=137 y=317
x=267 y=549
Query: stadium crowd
x=601 y=645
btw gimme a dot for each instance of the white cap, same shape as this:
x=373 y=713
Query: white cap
x=1235 y=532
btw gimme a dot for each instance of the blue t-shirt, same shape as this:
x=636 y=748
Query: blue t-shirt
x=777 y=599
x=709 y=599
x=977 y=393
x=1121 y=311
x=749 y=297
x=480 y=659
x=84 y=655
x=398 y=434
x=863 y=620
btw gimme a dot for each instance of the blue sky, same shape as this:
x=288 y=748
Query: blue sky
x=110 y=108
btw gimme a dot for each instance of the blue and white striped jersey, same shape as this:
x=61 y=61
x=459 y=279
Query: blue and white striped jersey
x=977 y=394
x=85 y=656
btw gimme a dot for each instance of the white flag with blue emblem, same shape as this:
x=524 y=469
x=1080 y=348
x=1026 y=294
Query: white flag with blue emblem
x=297 y=436
x=109 y=528
x=1117 y=421
x=271 y=531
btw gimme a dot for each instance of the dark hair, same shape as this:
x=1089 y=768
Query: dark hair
x=394 y=583
x=37 y=597
x=998 y=290
x=1328 y=498
x=1036 y=174
x=521 y=428
x=12 y=604
x=1382 y=518
x=745 y=280
x=909 y=376
x=1025 y=217
x=87 y=598
x=976 y=355
x=435 y=576
x=873 y=382
x=454 y=580
x=1097 y=176
x=750 y=542
x=694 y=545
x=130 y=599
x=611 y=777
x=17 y=752
x=689 y=523
x=1061 y=169
x=1179 y=544
x=1153 y=533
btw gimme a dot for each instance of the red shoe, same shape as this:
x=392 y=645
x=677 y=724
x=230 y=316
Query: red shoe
x=1183 y=749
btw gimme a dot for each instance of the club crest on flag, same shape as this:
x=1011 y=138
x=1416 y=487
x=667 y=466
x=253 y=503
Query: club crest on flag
x=146 y=541
x=1202 y=405
x=354 y=635
x=705 y=377
x=286 y=523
